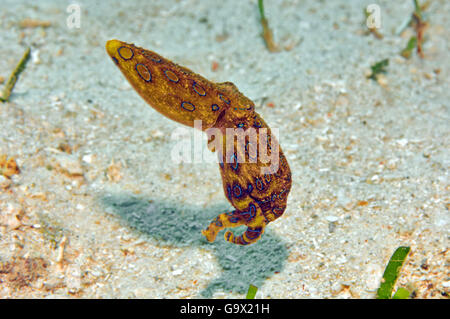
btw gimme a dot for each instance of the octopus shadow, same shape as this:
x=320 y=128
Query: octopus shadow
x=171 y=224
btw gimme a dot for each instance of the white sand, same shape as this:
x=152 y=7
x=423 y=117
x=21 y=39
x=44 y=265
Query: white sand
x=369 y=163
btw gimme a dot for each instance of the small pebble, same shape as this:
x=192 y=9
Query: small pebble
x=332 y=219
x=177 y=272
x=4 y=182
x=67 y=163
x=12 y=215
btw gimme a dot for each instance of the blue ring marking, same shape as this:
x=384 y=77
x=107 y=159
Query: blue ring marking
x=229 y=195
x=234 y=191
x=232 y=219
x=152 y=57
x=215 y=107
x=274 y=196
x=257 y=125
x=249 y=188
x=252 y=210
x=231 y=161
x=165 y=73
x=139 y=73
x=132 y=53
x=279 y=195
x=245 y=215
x=254 y=233
x=277 y=214
x=218 y=222
x=267 y=180
x=188 y=108
x=259 y=184
x=240 y=125
x=244 y=242
x=224 y=98
x=194 y=85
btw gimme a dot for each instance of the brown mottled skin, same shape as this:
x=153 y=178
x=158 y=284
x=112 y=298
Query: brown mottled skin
x=183 y=96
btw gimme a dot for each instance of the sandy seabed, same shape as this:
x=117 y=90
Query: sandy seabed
x=99 y=209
